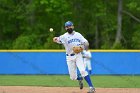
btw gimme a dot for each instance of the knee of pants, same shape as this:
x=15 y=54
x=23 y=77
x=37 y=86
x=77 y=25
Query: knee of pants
x=84 y=73
x=73 y=77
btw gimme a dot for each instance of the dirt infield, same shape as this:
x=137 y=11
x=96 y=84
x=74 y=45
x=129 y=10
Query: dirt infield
x=32 y=89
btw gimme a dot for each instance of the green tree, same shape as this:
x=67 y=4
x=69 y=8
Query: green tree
x=25 y=23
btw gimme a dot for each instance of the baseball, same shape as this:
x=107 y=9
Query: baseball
x=51 y=29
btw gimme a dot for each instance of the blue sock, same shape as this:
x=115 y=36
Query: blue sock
x=79 y=77
x=88 y=80
x=90 y=72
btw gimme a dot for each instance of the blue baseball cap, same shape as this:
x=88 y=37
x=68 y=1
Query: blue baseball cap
x=68 y=23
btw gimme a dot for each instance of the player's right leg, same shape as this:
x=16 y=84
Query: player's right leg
x=84 y=73
x=80 y=80
x=72 y=68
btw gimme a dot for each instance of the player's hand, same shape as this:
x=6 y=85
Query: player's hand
x=77 y=49
x=55 y=39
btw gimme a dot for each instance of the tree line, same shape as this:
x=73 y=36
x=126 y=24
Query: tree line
x=106 y=24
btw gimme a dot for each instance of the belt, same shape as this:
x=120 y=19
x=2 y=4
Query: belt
x=70 y=54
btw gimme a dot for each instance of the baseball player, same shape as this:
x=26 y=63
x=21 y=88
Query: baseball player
x=87 y=59
x=74 y=44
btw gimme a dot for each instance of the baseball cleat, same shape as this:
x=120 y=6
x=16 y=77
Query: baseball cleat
x=81 y=83
x=91 y=90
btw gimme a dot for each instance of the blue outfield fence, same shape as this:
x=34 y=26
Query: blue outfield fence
x=54 y=62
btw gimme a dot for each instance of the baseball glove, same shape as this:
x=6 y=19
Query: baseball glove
x=77 y=49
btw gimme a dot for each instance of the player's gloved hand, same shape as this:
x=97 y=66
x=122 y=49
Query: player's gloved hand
x=77 y=49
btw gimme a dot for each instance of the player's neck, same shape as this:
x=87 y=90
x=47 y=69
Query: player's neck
x=71 y=33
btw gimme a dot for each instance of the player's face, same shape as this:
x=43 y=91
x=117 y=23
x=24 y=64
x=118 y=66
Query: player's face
x=68 y=27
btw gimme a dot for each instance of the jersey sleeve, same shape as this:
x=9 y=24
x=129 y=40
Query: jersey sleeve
x=61 y=39
x=83 y=40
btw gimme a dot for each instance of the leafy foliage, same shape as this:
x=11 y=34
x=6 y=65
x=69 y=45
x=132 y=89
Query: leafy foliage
x=25 y=23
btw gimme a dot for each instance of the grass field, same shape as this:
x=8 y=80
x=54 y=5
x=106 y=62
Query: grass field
x=64 y=80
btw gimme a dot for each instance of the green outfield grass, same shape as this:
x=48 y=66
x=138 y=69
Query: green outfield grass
x=64 y=80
